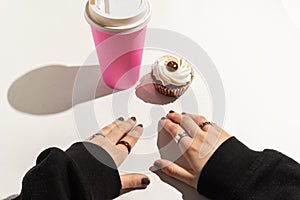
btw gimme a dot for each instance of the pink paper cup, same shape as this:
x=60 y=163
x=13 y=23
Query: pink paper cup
x=120 y=57
x=119 y=38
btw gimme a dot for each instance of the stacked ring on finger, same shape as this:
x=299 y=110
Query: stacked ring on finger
x=100 y=134
x=126 y=144
x=179 y=136
x=204 y=124
x=96 y=134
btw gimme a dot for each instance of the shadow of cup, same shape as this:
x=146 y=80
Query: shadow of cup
x=49 y=89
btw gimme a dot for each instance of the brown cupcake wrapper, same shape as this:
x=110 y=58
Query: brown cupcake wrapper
x=171 y=92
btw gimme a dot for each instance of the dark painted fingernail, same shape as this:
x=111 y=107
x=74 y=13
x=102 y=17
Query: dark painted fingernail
x=145 y=181
x=163 y=118
x=171 y=111
x=133 y=118
x=183 y=113
x=157 y=165
x=140 y=125
x=121 y=119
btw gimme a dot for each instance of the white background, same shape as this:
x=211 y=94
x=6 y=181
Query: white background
x=255 y=45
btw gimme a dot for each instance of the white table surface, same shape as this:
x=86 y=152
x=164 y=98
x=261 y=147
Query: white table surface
x=255 y=46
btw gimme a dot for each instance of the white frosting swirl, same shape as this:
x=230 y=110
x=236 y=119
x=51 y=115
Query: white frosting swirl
x=179 y=77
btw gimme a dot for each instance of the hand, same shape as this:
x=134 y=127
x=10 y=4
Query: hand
x=197 y=146
x=109 y=137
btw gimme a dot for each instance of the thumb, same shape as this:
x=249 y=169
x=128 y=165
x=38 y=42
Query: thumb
x=131 y=181
x=173 y=170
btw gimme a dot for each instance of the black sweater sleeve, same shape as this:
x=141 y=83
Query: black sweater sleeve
x=236 y=172
x=74 y=174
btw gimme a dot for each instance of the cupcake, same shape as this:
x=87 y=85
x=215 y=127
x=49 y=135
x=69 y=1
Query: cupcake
x=172 y=75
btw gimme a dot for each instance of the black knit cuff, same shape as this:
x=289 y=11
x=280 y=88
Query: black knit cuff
x=226 y=169
x=98 y=168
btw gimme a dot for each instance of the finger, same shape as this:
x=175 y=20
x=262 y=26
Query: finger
x=132 y=137
x=214 y=135
x=121 y=128
x=174 y=129
x=170 y=127
x=130 y=181
x=199 y=120
x=189 y=148
x=105 y=130
x=175 y=171
x=186 y=122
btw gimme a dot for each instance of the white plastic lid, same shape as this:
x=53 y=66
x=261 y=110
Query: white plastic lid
x=118 y=15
